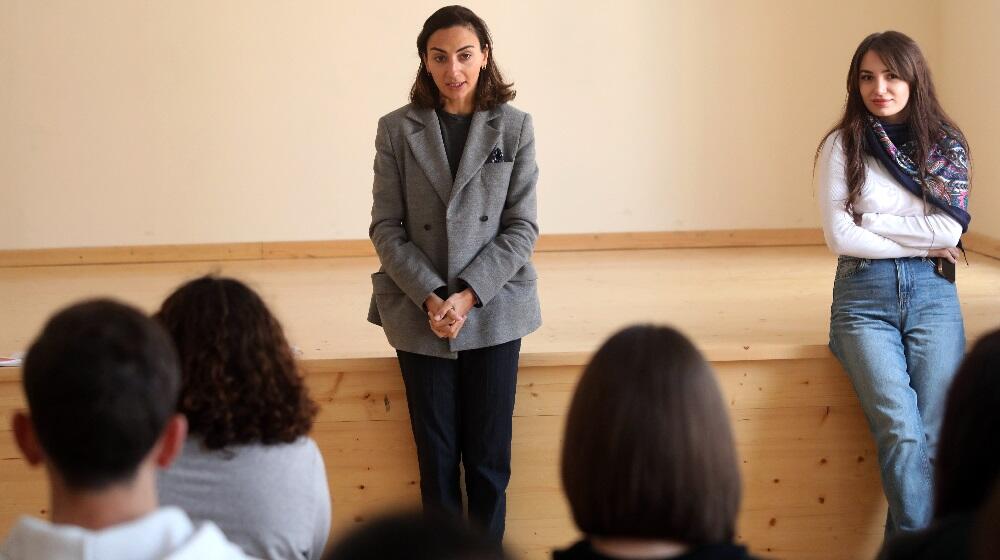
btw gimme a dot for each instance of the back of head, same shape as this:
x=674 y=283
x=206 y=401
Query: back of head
x=415 y=536
x=240 y=381
x=102 y=381
x=986 y=532
x=648 y=451
x=968 y=457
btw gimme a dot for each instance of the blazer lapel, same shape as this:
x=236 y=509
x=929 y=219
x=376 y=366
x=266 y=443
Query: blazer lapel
x=428 y=149
x=483 y=137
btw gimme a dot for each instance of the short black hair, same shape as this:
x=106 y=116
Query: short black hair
x=102 y=381
x=968 y=457
x=416 y=536
x=648 y=451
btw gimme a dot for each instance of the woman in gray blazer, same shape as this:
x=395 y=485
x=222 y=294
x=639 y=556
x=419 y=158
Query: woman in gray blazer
x=453 y=223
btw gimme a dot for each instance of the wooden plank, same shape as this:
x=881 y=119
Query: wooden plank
x=340 y=248
x=759 y=314
x=318 y=249
x=545 y=391
x=336 y=248
x=680 y=239
x=811 y=487
x=25 y=490
x=130 y=254
x=833 y=495
x=736 y=304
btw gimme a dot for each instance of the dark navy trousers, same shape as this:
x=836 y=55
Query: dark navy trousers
x=461 y=412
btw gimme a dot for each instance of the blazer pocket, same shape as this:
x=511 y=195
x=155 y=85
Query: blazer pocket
x=497 y=174
x=383 y=285
x=526 y=273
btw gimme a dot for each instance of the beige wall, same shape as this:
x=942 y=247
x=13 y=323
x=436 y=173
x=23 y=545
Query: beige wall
x=127 y=122
x=969 y=83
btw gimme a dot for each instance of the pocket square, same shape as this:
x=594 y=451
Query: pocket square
x=496 y=156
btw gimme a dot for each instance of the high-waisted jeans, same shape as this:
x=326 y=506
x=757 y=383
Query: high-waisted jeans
x=896 y=327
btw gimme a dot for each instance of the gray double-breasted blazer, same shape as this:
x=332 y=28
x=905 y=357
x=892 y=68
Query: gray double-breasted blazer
x=477 y=231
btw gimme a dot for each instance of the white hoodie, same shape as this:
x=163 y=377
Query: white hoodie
x=165 y=534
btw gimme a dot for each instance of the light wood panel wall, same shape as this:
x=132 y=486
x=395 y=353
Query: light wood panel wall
x=811 y=487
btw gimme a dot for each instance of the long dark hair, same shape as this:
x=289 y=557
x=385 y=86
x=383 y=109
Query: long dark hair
x=240 y=383
x=926 y=118
x=648 y=451
x=491 y=89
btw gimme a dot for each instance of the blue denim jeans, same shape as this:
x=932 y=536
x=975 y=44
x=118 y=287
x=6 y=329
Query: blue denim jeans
x=896 y=327
x=461 y=411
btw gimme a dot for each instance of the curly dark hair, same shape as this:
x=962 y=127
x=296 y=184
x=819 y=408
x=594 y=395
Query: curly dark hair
x=491 y=90
x=239 y=381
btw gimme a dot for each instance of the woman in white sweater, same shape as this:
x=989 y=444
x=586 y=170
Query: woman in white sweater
x=249 y=465
x=893 y=190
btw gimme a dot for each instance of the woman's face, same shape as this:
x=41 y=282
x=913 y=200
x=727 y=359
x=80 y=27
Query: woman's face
x=884 y=93
x=454 y=60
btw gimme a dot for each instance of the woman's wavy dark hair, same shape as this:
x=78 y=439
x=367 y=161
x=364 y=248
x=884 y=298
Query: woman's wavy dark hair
x=926 y=118
x=491 y=89
x=239 y=381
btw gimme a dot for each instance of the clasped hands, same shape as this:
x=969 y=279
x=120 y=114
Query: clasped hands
x=447 y=316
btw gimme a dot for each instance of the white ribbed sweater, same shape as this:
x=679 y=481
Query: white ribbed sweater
x=894 y=222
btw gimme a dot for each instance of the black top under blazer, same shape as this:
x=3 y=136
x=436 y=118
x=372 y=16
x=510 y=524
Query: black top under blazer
x=478 y=230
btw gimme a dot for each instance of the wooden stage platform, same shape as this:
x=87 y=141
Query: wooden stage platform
x=811 y=487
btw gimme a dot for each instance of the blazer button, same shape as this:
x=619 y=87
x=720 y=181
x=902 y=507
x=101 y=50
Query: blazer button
x=427 y=227
x=483 y=218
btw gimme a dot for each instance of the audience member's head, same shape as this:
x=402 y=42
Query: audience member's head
x=102 y=382
x=240 y=381
x=416 y=536
x=968 y=457
x=986 y=531
x=648 y=451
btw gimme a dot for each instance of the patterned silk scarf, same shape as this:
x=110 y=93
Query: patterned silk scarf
x=947 y=181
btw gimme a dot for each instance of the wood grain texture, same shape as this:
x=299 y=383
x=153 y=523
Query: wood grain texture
x=736 y=304
x=680 y=239
x=338 y=248
x=759 y=314
x=810 y=476
x=804 y=448
x=811 y=487
x=130 y=254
